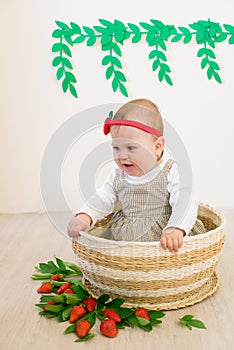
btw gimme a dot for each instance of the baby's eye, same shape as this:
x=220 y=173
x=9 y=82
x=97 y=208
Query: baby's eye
x=115 y=148
x=131 y=148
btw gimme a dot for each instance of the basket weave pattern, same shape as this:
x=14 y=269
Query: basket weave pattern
x=145 y=274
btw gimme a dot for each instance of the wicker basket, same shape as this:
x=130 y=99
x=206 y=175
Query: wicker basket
x=143 y=273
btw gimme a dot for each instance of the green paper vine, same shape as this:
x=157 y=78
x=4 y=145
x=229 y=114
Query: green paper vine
x=112 y=36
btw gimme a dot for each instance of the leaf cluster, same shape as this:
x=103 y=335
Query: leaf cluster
x=114 y=33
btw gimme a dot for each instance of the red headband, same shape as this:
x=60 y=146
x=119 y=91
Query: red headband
x=110 y=122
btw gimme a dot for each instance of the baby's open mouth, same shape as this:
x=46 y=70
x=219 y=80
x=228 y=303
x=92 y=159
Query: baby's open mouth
x=127 y=165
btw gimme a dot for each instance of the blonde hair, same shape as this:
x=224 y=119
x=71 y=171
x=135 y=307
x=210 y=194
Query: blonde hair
x=141 y=110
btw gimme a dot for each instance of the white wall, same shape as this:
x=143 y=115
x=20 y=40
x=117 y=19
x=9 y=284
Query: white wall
x=33 y=105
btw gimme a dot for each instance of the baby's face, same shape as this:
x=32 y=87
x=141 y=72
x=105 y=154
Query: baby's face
x=135 y=151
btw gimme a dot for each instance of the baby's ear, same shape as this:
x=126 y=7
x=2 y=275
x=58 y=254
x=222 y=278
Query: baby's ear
x=159 y=143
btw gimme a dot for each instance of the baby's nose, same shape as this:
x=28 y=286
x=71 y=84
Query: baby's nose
x=123 y=154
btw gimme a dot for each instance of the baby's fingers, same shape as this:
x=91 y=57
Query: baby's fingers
x=163 y=242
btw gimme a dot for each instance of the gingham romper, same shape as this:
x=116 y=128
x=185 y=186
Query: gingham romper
x=145 y=209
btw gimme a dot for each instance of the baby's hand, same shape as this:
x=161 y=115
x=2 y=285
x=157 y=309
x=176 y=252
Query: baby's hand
x=81 y=222
x=172 y=238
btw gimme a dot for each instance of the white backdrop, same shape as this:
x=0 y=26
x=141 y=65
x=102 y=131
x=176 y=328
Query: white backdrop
x=33 y=105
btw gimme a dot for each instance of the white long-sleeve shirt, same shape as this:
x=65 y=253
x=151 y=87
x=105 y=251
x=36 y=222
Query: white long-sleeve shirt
x=104 y=201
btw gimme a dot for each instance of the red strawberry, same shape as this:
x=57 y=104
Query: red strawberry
x=57 y=277
x=63 y=287
x=112 y=315
x=69 y=291
x=76 y=313
x=108 y=328
x=45 y=288
x=51 y=302
x=90 y=304
x=143 y=313
x=83 y=328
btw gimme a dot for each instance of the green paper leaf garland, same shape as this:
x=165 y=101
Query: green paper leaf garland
x=111 y=34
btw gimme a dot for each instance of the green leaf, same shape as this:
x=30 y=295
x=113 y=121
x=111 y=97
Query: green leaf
x=165 y=67
x=200 y=37
x=210 y=72
x=146 y=26
x=66 y=313
x=106 y=23
x=60 y=263
x=106 y=60
x=229 y=28
x=103 y=298
x=72 y=78
x=68 y=39
x=121 y=77
x=231 y=39
x=150 y=37
x=168 y=79
x=59 y=298
x=42 y=266
x=57 y=47
x=67 y=50
x=57 y=33
x=73 y=298
x=89 y=31
x=115 y=84
x=45 y=298
x=88 y=337
x=123 y=312
x=109 y=72
x=157 y=23
x=155 y=65
x=142 y=321
x=155 y=314
x=66 y=62
x=43 y=276
x=161 y=74
x=153 y=54
x=176 y=38
x=79 y=39
x=47 y=314
x=195 y=26
x=56 y=61
x=116 y=62
x=70 y=329
x=155 y=322
x=62 y=25
x=221 y=37
x=117 y=301
x=116 y=49
x=65 y=84
x=106 y=39
x=73 y=90
x=123 y=89
x=76 y=28
x=81 y=292
x=184 y=30
x=162 y=44
x=211 y=42
x=54 y=308
x=204 y=62
x=73 y=267
x=189 y=322
x=214 y=65
x=119 y=36
x=137 y=33
x=91 y=41
x=161 y=55
x=217 y=77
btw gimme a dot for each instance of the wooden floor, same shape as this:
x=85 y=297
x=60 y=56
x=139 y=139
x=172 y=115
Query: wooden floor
x=27 y=239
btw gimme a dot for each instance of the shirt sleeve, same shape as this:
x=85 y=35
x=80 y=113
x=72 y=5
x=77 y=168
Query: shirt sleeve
x=183 y=202
x=102 y=202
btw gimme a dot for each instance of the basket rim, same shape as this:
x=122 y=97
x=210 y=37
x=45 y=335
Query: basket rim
x=87 y=236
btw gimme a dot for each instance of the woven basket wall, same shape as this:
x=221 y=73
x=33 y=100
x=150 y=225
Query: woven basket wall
x=145 y=274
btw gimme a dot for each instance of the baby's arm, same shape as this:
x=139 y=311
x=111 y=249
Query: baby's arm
x=81 y=222
x=95 y=208
x=172 y=238
x=184 y=212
